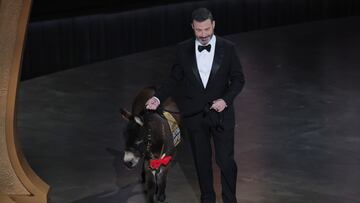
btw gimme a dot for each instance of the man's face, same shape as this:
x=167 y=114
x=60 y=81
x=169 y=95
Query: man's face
x=203 y=30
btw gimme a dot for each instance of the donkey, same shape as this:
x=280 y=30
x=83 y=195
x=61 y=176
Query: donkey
x=152 y=135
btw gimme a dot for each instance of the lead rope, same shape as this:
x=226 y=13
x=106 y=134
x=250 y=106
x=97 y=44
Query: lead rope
x=148 y=144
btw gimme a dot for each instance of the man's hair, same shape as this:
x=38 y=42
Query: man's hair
x=201 y=14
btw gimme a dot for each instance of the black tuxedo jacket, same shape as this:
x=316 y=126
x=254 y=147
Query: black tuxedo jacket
x=226 y=79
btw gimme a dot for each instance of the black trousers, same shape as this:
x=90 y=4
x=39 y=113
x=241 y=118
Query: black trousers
x=201 y=130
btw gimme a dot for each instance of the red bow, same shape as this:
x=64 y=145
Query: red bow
x=156 y=163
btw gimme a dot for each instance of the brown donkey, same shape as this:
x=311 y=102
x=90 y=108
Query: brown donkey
x=152 y=135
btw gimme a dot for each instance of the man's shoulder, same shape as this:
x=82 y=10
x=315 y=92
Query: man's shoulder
x=224 y=41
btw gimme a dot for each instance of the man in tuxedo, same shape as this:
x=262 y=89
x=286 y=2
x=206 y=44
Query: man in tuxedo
x=204 y=80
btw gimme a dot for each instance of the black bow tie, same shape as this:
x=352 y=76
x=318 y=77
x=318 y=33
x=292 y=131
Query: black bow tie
x=207 y=47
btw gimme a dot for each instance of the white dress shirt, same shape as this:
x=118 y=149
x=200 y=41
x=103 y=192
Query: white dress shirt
x=205 y=60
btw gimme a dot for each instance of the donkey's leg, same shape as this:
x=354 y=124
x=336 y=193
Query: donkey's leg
x=161 y=183
x=143 y=178
x=150 y=184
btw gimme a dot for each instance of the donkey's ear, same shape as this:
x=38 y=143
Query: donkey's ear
x=126 y=114
x=138 y=120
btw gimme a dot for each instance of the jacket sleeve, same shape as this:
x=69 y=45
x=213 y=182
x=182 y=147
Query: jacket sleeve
x=236 y=78
x=167 y=88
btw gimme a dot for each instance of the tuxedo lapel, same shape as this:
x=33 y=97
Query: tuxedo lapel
x=218 y=56
x=192 y=63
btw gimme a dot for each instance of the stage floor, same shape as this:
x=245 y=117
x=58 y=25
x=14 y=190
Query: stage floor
x=297 y=129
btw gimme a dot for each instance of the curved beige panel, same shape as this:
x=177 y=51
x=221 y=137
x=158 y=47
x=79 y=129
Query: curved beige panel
x=18 y=182
x=5 y=198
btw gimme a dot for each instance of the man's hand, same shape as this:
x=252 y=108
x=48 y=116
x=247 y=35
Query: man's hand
x=152 y=103
x=218 y=105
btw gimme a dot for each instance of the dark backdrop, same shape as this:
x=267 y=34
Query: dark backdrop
x=52 y=9
x=67 y=34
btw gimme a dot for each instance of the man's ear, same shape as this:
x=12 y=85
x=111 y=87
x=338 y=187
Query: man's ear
x=213 y=24
x=126 y=114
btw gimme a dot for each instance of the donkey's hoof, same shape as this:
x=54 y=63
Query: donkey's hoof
x=161 y=198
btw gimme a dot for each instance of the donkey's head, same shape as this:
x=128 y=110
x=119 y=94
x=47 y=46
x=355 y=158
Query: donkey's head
x=145 y=135
x=134 y=139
